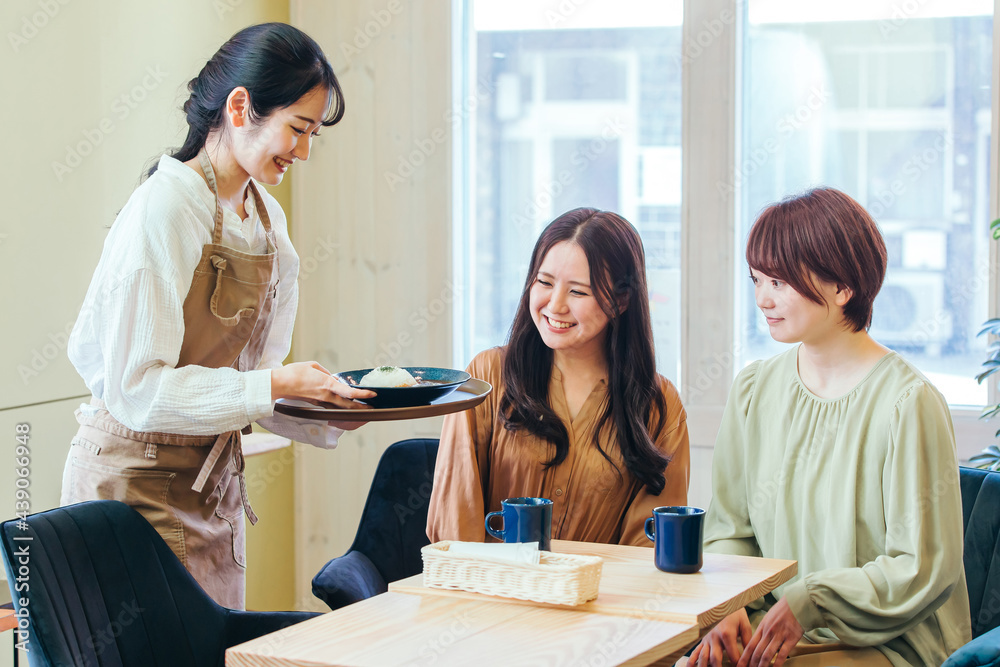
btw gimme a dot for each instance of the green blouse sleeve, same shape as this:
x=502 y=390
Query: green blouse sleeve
x=727 y=525
x=922 y=562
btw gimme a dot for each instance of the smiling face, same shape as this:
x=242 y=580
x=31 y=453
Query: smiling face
x=266 y=151
x=793 y=318
x=562 y=303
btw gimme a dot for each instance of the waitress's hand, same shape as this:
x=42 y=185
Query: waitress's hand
x=308 y=381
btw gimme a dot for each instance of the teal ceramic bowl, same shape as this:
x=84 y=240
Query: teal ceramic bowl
x=432 y=384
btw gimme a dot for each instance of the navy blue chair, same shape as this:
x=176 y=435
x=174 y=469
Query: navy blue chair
x=101 y=588
x=392 y=530
x=981 y=517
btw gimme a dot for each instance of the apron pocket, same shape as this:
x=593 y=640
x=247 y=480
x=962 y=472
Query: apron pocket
x=234 y=517
x=144 y=490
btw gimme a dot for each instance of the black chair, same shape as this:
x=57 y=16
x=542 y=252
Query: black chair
x=387 y=545
x=981 y=517
x=101 y=587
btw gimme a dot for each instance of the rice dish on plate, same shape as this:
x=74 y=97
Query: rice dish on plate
x=387 y=376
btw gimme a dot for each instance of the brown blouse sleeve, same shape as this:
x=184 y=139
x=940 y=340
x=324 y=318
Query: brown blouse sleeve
x=461 y=474
x=672 y=441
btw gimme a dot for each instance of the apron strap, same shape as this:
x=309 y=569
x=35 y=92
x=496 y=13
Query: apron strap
x=265 y=220
x=206 y=166
x=258 y=202
x=239 y=463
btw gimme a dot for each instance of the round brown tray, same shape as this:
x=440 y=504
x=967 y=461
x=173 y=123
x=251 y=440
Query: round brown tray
x=466 y=396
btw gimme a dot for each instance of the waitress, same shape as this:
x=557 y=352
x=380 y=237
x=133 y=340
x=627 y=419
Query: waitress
x=189 y=314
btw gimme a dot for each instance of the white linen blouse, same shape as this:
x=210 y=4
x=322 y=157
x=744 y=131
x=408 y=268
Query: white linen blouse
x=127 y=339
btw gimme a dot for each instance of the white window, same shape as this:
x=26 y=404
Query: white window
x=590 y=104
x=582 y=108
x=894 y=110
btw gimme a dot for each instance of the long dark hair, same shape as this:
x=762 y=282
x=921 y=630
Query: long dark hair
x=618 y=279
x=276 y=63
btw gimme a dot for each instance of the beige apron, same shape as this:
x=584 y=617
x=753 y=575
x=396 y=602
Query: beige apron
x=183 y=484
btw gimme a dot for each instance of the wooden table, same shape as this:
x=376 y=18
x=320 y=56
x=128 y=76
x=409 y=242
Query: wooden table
x=641 y=616
x=400 y=629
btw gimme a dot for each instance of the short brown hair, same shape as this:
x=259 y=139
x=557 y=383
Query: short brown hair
x=826 y=233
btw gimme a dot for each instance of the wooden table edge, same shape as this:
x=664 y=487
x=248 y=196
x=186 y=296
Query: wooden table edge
x=585 y=608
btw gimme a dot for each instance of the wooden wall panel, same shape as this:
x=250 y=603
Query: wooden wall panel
x=377 y=298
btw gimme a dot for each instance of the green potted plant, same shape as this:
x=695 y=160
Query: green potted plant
x=990 y=456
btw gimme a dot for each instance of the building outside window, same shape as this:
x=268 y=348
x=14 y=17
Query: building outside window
x=582 y=107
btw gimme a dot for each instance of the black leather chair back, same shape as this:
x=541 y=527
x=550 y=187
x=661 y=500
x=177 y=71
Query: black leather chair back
x=981 y=515
x=393 y=524
x=100 y=587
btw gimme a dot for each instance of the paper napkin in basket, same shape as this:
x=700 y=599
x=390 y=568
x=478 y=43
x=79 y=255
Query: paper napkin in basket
x=501 y=552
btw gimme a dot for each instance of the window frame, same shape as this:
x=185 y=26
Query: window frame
x=711 y=84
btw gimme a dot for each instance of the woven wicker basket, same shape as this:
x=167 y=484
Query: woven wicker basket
x=558 y=578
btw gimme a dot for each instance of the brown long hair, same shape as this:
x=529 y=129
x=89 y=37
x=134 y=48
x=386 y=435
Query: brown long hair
x=618 y=278
x=827 y=233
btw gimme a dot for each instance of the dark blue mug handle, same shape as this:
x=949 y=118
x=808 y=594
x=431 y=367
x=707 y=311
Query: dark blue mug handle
x=489 y=529
x=648 y=527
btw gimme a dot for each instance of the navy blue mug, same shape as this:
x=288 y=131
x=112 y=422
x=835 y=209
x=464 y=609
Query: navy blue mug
x=676 y=534
x=524 y=520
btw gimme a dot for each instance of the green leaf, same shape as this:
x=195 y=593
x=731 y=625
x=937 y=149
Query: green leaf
x=985 y=374
x=991 y=325
x=990 y=411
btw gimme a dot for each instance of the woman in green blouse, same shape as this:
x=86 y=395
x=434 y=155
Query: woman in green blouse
x=839 y=454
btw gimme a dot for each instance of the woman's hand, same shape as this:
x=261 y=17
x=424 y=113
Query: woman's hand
x=722 y=641
x=307 y=380
x=775 y=638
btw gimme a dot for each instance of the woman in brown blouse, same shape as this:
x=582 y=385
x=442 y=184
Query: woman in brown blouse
x=578 y=413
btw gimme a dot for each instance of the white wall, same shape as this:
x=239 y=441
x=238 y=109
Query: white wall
x=92 y=92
